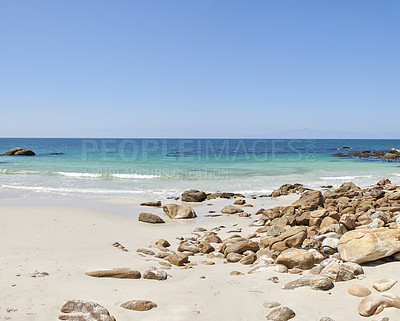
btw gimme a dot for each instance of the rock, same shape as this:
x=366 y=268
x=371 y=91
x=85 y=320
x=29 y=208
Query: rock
x=223 y=195
x=193 y=195
x=316 y=282
x=176 y=211
x=155 y=204
x=329 y=245
x=310 y=200
x=236 y=273
x=394 y=196
x=358 y=290
x=296 y=258
x=326 y=319
x=241 y=246
x=145 y=251
x=376 y=303
x=212 y=238
x=139 y=305
x=118 y=273
x=239 y=202
x=366 y=245
x=84 y=311
x=206 y=248
x=384 y=182
x=150 y=218
x=291 y=238
x=154 y=273
x=230 y=209
x=188 y=247
x=233 y=257
x=271 y=304
x=248 y=259
x=384 y=284
x=281 y=314
x=162 y=243
x=176 y=259
x=17 y=151
x=338 y=272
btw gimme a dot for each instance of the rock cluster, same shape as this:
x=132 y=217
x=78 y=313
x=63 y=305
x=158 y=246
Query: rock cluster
x=392 y=155
x=17 y=151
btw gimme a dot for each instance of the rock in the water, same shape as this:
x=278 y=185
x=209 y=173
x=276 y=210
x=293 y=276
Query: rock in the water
x=296 y=258
x=376 y=303
x=84 y=311
x=316 y=282
x=176 y=211
x=193 y=195
x=17 y=151
x=281 y=314
x=154 y=273
x=118 y=273
x=230 y=209
x=139 y=305
x=358 y=290
x=384 y=284
x=366 y=245
x=150 y=218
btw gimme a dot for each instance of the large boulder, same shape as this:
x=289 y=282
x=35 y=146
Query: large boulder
x=193 y=195
x=241 y=246
x=176 y=211
x=309 y=201
x=17 y=151
x=366 y=245
x=296 y=258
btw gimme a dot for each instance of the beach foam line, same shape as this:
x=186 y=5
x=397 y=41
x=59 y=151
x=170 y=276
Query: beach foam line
x=79 y=175
x=134 y=176
x=66 y=191
x=345 y=177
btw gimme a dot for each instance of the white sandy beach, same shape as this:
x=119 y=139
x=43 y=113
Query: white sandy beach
x=66 y=242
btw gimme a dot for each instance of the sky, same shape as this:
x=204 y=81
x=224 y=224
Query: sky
x=200 y=68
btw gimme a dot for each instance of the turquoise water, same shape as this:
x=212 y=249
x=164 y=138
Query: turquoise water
x=105 y=167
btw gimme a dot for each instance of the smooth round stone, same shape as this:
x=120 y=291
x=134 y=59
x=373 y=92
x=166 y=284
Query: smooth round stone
x=358 y=290
x=271 y=304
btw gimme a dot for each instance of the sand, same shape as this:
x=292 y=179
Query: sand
x=73 y=237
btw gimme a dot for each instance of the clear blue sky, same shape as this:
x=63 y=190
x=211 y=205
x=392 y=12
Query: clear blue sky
x=198 y=68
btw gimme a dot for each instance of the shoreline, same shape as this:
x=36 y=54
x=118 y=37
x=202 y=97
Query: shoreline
x=68 y=238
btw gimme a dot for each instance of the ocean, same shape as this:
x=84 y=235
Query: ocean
x=165 y=167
